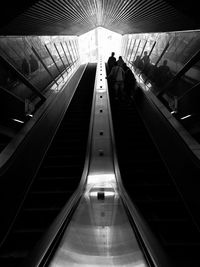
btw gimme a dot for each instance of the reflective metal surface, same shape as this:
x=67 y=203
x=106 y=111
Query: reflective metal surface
x=99 y=233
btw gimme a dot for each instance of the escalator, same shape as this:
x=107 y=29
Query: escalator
x=57 y=177
x=100 y=231
x=151 y=188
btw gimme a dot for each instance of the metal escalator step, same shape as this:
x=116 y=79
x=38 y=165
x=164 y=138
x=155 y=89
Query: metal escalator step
x=56 y=183
x=61 y=170
x=62 y=159
x=48 y=199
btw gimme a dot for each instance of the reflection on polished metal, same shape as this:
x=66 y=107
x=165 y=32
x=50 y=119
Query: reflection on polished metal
x=100 y=233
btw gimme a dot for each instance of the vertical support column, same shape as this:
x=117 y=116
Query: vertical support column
x=69 y=54
x=77 y=46
x=143 y=48
x=53 y=60
x=76 y=49
x=132 y=50
x=75 y=52
x=130 y=43
x=162 y=54
x=122 y=47
x=126 y=47
x=152 y=48
x=43 y=64
x=65 y=55
x=72 y=51
x=136 y=50
x=59 y=55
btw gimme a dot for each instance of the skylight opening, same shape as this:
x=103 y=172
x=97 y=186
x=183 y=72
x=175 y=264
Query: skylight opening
x=99 y=41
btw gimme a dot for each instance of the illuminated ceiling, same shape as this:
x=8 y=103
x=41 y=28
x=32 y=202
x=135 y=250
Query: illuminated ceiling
x=75 y=17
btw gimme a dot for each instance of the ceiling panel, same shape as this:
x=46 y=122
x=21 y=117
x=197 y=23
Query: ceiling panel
x=75 y=17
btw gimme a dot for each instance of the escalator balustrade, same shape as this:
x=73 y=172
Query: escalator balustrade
x=57 y=177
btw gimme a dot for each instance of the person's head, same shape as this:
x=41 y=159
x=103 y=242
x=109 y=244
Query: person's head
x=120 y=57
x=145 y=53
x=165 y=62
x=112 y=54
x=124 y=66
x=32 y=56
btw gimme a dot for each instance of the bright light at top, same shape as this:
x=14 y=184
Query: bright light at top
x=98 y=42
x=109 y=42
x=99 y=179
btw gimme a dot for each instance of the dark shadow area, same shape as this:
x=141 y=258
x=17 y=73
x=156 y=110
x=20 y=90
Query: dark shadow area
x=56 y=179
x=151 y=187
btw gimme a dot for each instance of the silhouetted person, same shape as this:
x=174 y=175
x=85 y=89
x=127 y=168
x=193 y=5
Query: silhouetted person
x=111 y=62
x=129 y=82
x=120 y=61
x=138 y=62
x=25 y=67
x=152 y=73
x=117 y=76
x=164 y=73
x=146 y=62
x=164 y=68
x=33 y=63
